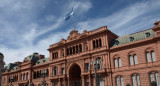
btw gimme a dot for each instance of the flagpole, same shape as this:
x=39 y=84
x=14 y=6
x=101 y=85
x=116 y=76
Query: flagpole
x=73 y=20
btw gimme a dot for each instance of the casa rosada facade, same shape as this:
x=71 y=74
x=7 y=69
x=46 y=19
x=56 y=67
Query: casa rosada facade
x=133 y=59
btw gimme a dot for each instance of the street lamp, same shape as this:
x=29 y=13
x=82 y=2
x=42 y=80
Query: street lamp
x=11 y=79
x=95 y=62
x=44 y=72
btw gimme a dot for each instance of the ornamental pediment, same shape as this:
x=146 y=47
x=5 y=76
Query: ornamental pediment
x=61 y=42
x=156 y=26
x=73 y=35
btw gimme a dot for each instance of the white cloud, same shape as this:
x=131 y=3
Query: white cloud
x=50 y=18
x=13 y=55
x=24 y=37
x=123 y=18
x=80 y=7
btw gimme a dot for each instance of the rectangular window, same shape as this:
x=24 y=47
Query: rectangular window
x=131 y=60
x=153 y=56
x=135 y=59
x=148 y=57
x=86 y=66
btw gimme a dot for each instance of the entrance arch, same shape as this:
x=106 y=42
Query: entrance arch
x=75 y=75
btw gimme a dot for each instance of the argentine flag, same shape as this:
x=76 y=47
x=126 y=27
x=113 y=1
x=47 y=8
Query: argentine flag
x=68 y=15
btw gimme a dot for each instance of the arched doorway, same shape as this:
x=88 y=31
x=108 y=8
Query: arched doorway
x=75 y=75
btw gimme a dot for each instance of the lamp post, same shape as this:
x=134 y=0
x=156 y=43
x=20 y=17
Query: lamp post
x=95 y=68
x=43 y=72
x=11 y=79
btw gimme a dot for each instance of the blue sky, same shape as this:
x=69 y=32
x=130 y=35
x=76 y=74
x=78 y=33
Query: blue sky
x=28 y=26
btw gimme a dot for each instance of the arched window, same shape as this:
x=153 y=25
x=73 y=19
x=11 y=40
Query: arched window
x=97 y=43
x=21 y=77
x=55 y=71
x=100 y=81
x=133 y=59
x=39 y=84
x=34 y=75
x=80 y=47
x=153 y=56
x=27 y=76
x=94 y=44
x=4 y=80
x=99 y=63
x=13 y=78
x=119 y=81
x=67 y=51
x=76 y=48
x=130 y=60
x=154 y=76
x=47 y=72
x=70 y=49
x=24 y=76
x=150 y=56
x=117 y=62
x=73 y=49
x=38 y=74
x=55 y=84
x=136 y=80
x=17 y=77
x=100 y=43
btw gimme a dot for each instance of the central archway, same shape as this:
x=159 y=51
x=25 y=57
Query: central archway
x=75 y=75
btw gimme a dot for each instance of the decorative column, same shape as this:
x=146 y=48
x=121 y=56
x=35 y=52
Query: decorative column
x=68 y=82
x=90 y=80
x=64 y=81
x=50 y=83
x=19 y=76
x=105 y=80
x=59 y=82
x=94 y=82
x=65 y=51
x=83 y=82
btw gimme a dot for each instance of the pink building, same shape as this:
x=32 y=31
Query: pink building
x=117 y=61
